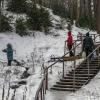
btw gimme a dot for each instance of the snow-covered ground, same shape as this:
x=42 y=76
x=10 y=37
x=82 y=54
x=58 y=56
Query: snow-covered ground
x=87 y=92
x=42 y=47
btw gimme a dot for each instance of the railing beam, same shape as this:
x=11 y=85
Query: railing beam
x=63 y=68
x=46 y=79
x=44 y=82
x=41 y=94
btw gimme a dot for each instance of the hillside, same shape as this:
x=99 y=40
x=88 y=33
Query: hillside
x=43 y=47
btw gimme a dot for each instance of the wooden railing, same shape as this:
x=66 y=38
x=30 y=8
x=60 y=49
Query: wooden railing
x=80 y=39
x=44 y=83
x=40 y=94
x=97 y=51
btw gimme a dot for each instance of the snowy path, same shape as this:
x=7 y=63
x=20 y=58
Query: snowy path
x=64 y=95
x=57 y=95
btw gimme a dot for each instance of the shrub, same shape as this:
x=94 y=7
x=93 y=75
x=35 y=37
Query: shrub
x=17 y=6
x=38 y=19
x=87 y=21
x=4 y=24
x=21 y=27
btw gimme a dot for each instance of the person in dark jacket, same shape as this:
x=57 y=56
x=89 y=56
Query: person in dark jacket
x=88 y=44
x=9 y=52
x=70 y=42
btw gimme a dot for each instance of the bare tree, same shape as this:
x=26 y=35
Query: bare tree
x=98 y=16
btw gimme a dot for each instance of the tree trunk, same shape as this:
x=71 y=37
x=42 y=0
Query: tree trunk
x=98 y=16
x=78 y=9
x=82 y=4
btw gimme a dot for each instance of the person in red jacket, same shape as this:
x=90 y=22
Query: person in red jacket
x=70 y=42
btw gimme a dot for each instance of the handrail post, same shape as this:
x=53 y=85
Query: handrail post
x=63 y=68
x=81 y=38
x=88 y=60
x=43 y=91
x=44 y=83
x=74 y=75
x=41 y=94
x=64 y=47
x=46 y=78
x=74 y=70
x=38 y=98
x=94 y=38
x=81 y=42
x=98 y=57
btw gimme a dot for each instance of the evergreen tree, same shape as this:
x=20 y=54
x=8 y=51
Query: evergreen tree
x=38 y=19
x=21 y=28
x=4 y=24
x=98 y=17
x=18 y=6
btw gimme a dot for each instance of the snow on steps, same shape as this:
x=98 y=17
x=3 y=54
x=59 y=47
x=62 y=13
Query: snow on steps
x=67 y=83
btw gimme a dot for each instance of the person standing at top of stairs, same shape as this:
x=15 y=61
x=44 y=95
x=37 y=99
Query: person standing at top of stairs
x=88 y=45
x=70 y=42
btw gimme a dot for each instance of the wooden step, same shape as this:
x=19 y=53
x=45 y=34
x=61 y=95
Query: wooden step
x=63 y=89
x=77 y=69
x=87 y=68
x=71 y=80
x=83 y=72
x=70 y=83
x=80 y=75
x=67 y=83
x=67 y=86
x=78 y=78
x=91 y=65
x=72 y=58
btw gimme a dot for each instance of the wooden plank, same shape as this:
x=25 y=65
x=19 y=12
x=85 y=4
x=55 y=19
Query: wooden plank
x=66 y=58
x=72 y=58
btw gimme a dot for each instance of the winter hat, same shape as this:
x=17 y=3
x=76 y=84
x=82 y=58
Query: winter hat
x=9 y=45
x=69 y=33
x=87 y=34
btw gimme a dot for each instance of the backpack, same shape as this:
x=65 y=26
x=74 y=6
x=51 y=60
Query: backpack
x=88 y=43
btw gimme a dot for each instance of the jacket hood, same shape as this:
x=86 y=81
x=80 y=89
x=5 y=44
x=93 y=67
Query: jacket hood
x=69 y=33
x=9 y=45
x=87 y=34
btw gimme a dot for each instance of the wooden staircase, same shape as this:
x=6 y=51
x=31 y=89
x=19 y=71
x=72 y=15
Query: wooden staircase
x=81 y=75
x=75 y=79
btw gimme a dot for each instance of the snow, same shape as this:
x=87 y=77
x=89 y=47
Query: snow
x=87 y=92
x=41 y=47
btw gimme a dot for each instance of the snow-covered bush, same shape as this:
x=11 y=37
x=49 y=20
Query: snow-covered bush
x=87 y=21
x=4 y=24
x=21 y=27
x=17 y=6
x=38 y=19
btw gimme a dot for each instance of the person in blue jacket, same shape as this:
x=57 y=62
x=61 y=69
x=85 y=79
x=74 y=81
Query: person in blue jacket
x=9 y=52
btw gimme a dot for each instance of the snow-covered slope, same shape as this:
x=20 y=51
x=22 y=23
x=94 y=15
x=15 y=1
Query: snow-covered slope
x=42 y=46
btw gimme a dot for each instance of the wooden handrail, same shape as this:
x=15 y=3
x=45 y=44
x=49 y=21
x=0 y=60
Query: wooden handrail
x=46 y=72
x=83 y=35
x=87 y=58
x=39 y=88
x=62 y=56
